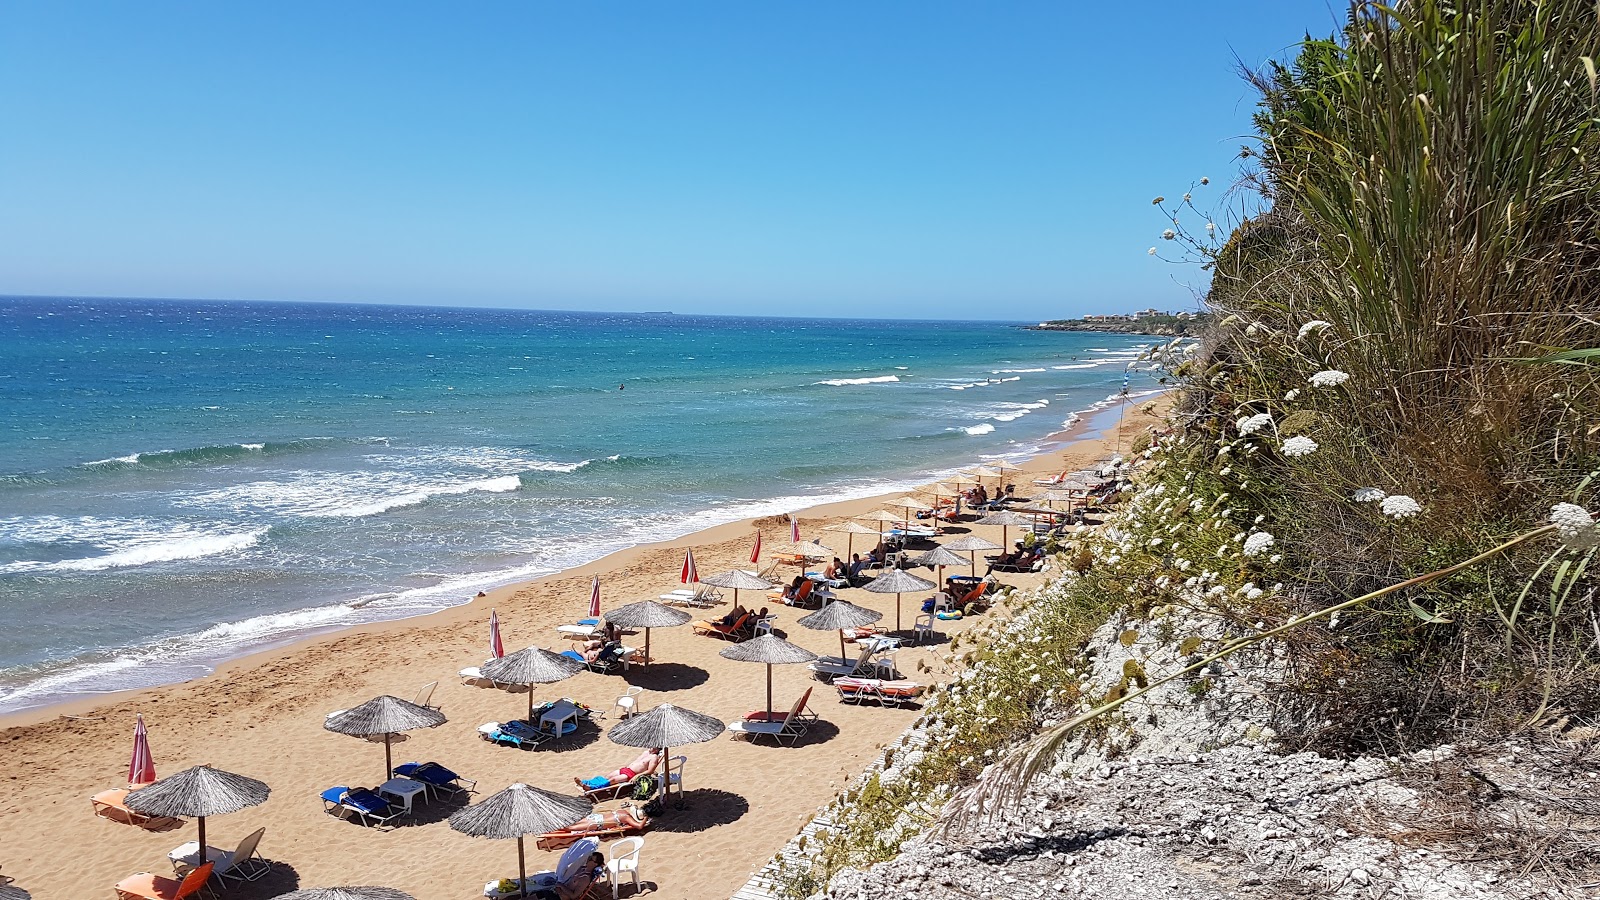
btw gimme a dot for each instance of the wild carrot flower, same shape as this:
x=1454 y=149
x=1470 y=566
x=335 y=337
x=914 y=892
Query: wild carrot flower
x=1152 y=251
x=1211 y=228
x=1399 y=506
x=1368 y=495
x=1292 y=396
x=1313 y=325
x=1299 y=445
x=1258 y=543
x=1576 y=525
x=1329 y=378
x=1204 y=180
x=1253 y=424
x=1168 y=235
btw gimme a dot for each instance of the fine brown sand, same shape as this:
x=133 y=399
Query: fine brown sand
x=262 y=716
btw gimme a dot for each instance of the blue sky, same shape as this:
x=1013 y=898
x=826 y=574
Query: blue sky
x=928 y=159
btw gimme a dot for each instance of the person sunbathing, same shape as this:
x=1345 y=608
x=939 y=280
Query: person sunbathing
x=602 y=651
x=626 y=817
x=793 y=590
x=578 y=884
x=645 y=763
x=733 y=617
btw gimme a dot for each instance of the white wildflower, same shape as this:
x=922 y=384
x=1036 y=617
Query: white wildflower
x=1312 y=326
x=1368 y=495
x=1152 y=251
x=1299 y=445
x=1329 y=378
x=1292 y=395
x=1204 y=180
x=1576 y=525
x=1253 y=424
x=1399 y=506
x=1258 y=543
x=1168 y=235
x=1186 y=198
x=1253 y=594
x=1211 y=228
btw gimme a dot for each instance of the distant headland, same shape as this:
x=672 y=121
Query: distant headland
x=1145 y=321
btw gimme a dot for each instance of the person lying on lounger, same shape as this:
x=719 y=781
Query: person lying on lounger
x=645 y=763
x=578 y=885
x=733 y=617
x=602 y=651
x=624 y=818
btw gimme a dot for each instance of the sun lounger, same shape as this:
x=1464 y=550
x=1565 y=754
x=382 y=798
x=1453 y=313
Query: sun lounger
x=243 y=863
x=702 y=597
x=872 y=660
x=884 y=693
x=515 y=733
x=111 y=805
x=365 y=805
x=572 y=864
x=602 y=826
x=436 y=777
x=800 y=594
x=474 y=676
x=154 y=887
x=789 y=730
x=798 y=711
x=606 y=666
x=734 y=632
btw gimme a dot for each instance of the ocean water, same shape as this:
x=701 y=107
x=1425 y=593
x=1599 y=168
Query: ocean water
x=182 y=482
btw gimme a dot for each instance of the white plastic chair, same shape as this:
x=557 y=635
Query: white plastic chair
x=628 y=702
x=764 y=624
x=923 y=627
x=624 y=859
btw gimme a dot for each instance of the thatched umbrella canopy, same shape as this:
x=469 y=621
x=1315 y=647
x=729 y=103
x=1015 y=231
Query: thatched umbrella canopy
x=199 y=792
x=971 y=544
x=739 y=579
x=773 y=651
x=851 y=529
x=897 y=582
x=384 y=716
x=532 y=666
x=839 y=615
x=647 y=614
x=1005 y=520
x=882 y=517
x=937 y=559
x=348 y=894
x=516 y=812
x=9 y=892
x=666 y=726
x=808 y=549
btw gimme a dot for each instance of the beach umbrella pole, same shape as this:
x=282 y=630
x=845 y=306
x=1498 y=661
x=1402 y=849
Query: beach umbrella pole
x=522 y=869
x=841 y=643
x=896 y=612
x=530 y=704
x=388 y=757
x=201 y=822
x=769 y=692
x=647 y=649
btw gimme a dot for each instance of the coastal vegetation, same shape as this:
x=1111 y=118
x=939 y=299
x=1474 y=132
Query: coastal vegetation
x=1382 y=453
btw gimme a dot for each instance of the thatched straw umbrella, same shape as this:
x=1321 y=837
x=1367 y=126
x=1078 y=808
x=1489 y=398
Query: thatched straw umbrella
x=532 y=666
x=807 y=549
x=937 y=559
x=971 y=544
x=647 y=614
x=882 y=517
x=348 y=894
x=9 y=892
x=384 y=717
x=772 y=650
x=897 y=582
x=839 y=615
x=851 y=529
x=517 y=812
x=739 y=579
x=199 y=792
x=912 y=506
x=1005 y=520
x=666 y=726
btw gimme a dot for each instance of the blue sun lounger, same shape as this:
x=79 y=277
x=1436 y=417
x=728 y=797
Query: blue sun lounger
x=436 y=777
x=515 y=733
x=360 y=802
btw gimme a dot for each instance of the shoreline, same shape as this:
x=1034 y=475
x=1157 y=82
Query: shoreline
x=75 y=703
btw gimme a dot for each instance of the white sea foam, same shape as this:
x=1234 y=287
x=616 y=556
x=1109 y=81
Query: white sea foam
x=1009 y=371
x=1077 y=366
x=124 y=543
x=487 y=460
x=340 y=495
x=982 y=428
x=841 y=382
x=130 y=459
x=1010 y=412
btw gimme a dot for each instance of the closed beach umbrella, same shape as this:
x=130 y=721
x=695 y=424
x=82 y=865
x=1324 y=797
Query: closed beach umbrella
x=897 y=582
x=755 y=552
x=690 y=573
x=142 y=767
x=1005 y=520
x=199 y=792
x=648 y=614
x=851 y=529
x=497 y=649
x=594 y=599
x=348 y=894
x=666 y=726
x=937 y=559
x=532 y=666
x=971 y=544
x=386 y=716
x=739 y=579
x=839 y=615
x=517 y=812
x=773 y=651
x=794 y=529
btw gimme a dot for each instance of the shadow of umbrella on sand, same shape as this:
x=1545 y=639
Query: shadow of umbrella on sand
x=666 y=726
x=839 y=615
x=897 y=582
x=517 y=812
x=199 y=792
x=739 y=579
x=348 y=894
x=529 y=667
x=647 y=614
x=384 y=717
x=772 y=650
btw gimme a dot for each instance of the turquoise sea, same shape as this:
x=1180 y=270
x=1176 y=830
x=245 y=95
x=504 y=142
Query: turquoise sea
x=182 y=482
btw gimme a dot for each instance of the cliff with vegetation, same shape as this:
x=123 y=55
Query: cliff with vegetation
x=1157 y=326
x=1343 y=639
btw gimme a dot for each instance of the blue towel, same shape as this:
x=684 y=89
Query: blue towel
x=599 y=781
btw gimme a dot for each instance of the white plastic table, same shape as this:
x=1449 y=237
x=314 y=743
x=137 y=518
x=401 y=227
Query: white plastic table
x=403 y=790
x=555 y=718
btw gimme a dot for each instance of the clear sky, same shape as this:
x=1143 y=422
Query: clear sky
x=930 y=159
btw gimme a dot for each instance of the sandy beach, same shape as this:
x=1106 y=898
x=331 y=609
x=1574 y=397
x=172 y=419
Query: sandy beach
x=262 y=716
